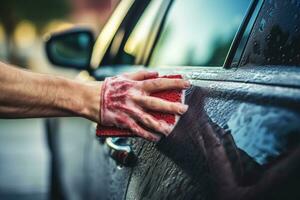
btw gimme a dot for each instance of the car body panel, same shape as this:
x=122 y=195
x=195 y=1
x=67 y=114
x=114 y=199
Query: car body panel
x=258 y=103
x=261 y=118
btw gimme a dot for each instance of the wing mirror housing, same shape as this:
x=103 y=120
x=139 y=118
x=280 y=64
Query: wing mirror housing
x=71 y=48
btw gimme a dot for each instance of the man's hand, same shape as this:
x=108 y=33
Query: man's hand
x=125 y=100
x=24 y=94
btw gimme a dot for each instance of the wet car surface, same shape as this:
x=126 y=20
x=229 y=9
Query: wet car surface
x=252 y=81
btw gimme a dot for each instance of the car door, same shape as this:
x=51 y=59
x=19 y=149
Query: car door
x=105 y=177
x=252 y=93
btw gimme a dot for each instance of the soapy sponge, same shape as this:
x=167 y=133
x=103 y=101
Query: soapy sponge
x=171 y=119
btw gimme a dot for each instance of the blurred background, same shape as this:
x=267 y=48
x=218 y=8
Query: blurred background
x=24 y=155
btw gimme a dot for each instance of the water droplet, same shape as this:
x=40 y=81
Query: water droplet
x=262 y=25
x=256 y=48
x=296 y=16
x=269 y=60
x=268 y=37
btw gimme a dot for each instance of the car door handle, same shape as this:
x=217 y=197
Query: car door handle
x=121 y=152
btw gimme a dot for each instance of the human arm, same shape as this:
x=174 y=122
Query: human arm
x=25 y=94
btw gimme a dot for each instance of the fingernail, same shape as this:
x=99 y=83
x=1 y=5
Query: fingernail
x=153 y=73
x=187 y=84
x=167 y=129
x=184 y=108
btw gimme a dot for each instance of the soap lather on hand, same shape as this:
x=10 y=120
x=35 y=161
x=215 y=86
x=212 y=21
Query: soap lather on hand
x=126 y=103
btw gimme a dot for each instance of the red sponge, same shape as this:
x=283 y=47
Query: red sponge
x=172 y=119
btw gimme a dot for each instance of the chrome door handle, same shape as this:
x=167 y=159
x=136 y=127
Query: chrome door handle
x=121 y=152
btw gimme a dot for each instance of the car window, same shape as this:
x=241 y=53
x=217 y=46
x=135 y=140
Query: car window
x=105 y=37
x=275 y=39
x=198 y=32
x=138 y=37
x=135 y=42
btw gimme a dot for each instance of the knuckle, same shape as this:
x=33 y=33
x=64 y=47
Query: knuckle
x=148 y=137
x=132 y=112
x=133 y=97
x=174 y=108
x=143 y=72
x=125 y=75
x=142 y=134
x=147 y=101
x=161 y=81
x=152 y=103
x=159 y=104
x=179 y=82
x=144 y=84
x=134 y=129
x=140 y=84
x=147 y=120
x=156 y=83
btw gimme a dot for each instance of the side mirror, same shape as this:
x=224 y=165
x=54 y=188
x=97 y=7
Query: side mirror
x=71 y=48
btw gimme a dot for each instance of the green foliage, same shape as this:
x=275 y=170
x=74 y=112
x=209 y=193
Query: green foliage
x=37 y=11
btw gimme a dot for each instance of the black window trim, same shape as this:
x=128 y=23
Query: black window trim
x=235 y=45
x=148 y=51
x=126 y=25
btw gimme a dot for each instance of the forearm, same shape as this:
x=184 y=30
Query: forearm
x=27 y=94
x=125 y=104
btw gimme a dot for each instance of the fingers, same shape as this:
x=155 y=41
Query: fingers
x=147 y=120
x=141 y=75
x=150 y=122
x=145 y=134
x=154 y=85
x=136 y=129
x=157 y=104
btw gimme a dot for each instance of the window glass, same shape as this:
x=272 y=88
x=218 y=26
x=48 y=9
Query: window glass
x=138 y=37
x=199 y=32
x=105 y=37
x=245 y=35
x=275 y=38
